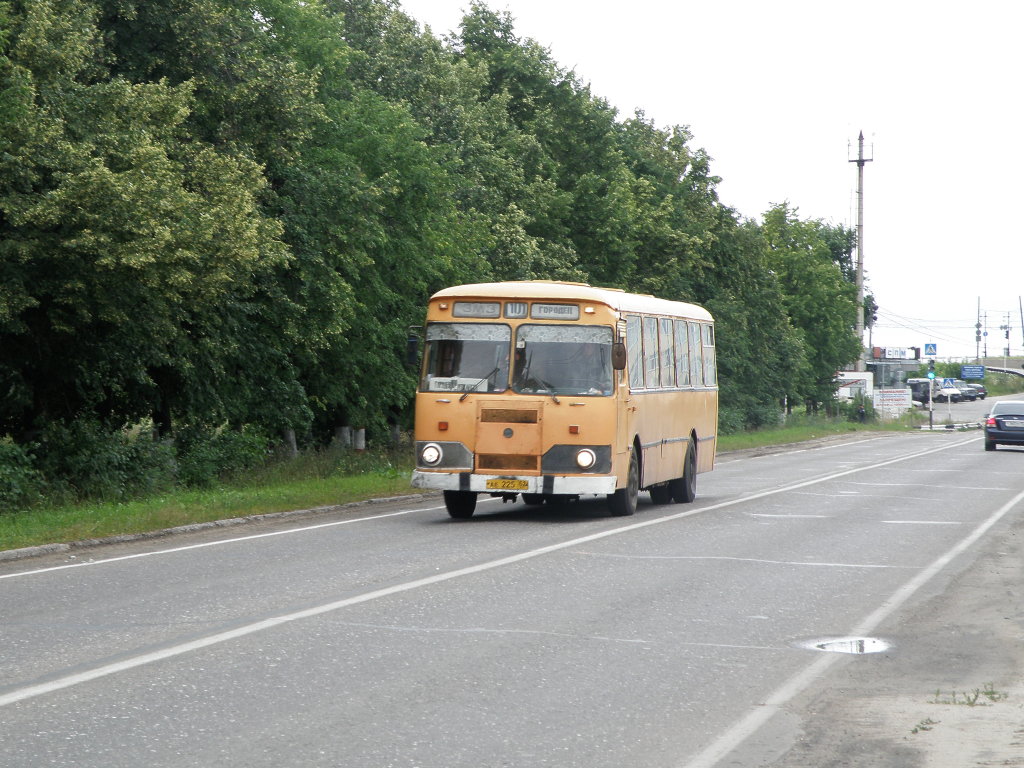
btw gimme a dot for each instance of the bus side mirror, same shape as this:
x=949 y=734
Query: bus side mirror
x=412 y=351
x=619 y=356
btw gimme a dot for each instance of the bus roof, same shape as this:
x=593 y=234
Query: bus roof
x=552 y=290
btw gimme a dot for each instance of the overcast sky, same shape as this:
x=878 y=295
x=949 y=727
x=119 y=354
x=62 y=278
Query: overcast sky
x=777 y=91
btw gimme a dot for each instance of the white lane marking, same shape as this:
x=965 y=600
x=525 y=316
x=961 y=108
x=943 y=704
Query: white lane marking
x=930 y=485
x=922 y=522
x=492 y=631
x=28 y=692
x=794 y=517
x=743 y=560
x=755 y=718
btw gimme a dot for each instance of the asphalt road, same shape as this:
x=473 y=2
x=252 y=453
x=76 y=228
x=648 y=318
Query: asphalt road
x=688 y=635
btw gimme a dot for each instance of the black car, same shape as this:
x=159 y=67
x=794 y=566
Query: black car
x=1005 y=424
x=980 y=389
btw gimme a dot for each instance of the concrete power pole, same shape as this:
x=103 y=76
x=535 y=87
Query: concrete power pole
x=860 y=161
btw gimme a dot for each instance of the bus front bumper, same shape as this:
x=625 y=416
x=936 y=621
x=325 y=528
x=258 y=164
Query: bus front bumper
x=498 y=484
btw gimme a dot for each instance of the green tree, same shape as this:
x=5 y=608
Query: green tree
x=820 y=302
x=140 y=254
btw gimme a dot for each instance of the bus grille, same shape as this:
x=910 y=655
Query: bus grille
x=507 y=416
x=505 y=462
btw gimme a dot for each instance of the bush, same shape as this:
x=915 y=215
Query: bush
x=84 y=459
x=730 y=421
x=206 y=455
x=852 y=409
x=20 y=482
x=733 y=420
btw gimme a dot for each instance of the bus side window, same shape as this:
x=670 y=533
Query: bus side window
x=668 y=357
x=682 y=355
x=696 y=374
x=652 y=370
x=710 y=373
x=635 y=352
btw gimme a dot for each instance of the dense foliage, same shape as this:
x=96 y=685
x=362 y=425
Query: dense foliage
x=225 y=215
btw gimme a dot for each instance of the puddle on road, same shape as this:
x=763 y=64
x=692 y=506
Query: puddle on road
x=855 y=645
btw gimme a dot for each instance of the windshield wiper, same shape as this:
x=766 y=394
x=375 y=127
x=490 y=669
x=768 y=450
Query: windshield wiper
x=479 y=382
x=551 y=389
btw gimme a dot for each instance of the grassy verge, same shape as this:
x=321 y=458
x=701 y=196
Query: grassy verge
x=314 y=480
x=302 y=484
x=799 y=429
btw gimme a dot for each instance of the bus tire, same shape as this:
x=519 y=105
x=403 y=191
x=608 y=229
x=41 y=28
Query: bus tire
x=622 y=503
x=684 y=489
x=460 y=504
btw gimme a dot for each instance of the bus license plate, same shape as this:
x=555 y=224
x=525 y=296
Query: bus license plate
x=507 y=484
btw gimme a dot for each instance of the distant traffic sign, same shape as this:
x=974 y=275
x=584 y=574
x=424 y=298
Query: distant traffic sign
x=948 y=383
x=931 y=349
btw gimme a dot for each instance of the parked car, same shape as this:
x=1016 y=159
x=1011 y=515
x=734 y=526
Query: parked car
x=920 y=390
x=966 y=391
x=1005 y=424
x=952 y=394
x=980 y=390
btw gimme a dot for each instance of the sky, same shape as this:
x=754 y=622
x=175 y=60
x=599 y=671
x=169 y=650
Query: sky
x=778 y=91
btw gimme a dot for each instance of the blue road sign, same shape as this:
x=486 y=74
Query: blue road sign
x=930 y=349
x=947 y=383
x=972 y=371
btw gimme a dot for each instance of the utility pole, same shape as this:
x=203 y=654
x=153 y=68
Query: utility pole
x=860 y=161
x=977 y=335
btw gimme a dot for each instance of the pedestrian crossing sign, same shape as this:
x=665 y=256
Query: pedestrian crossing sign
x=931 y=349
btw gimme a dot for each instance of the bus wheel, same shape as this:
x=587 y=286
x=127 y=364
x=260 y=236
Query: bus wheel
x=533 y=499
x=661 y=494
x=684 y=489
x=623 y=501
x=460 y=504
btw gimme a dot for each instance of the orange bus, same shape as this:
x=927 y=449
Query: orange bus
x=554 y=390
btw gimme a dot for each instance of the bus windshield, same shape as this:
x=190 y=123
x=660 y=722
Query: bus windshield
x=466 y=357
x=563 y=360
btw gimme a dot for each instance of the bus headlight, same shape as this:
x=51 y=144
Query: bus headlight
x=586 y=458
x=431 y=454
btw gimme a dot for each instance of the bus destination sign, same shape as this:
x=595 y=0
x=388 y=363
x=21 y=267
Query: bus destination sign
x=555 y=312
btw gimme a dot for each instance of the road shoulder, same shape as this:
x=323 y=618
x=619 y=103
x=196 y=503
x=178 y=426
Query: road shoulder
x=951 y=695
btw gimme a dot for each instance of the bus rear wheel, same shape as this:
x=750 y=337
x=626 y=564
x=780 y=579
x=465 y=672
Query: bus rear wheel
x=623 y=502
x=684 y=489
x=460 y=504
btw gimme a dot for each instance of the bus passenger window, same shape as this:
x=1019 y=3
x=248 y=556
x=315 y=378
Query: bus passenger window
x=668 y=357
x=652 y=369
x=682 y=355
x=696 y=374
x=710 y=374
